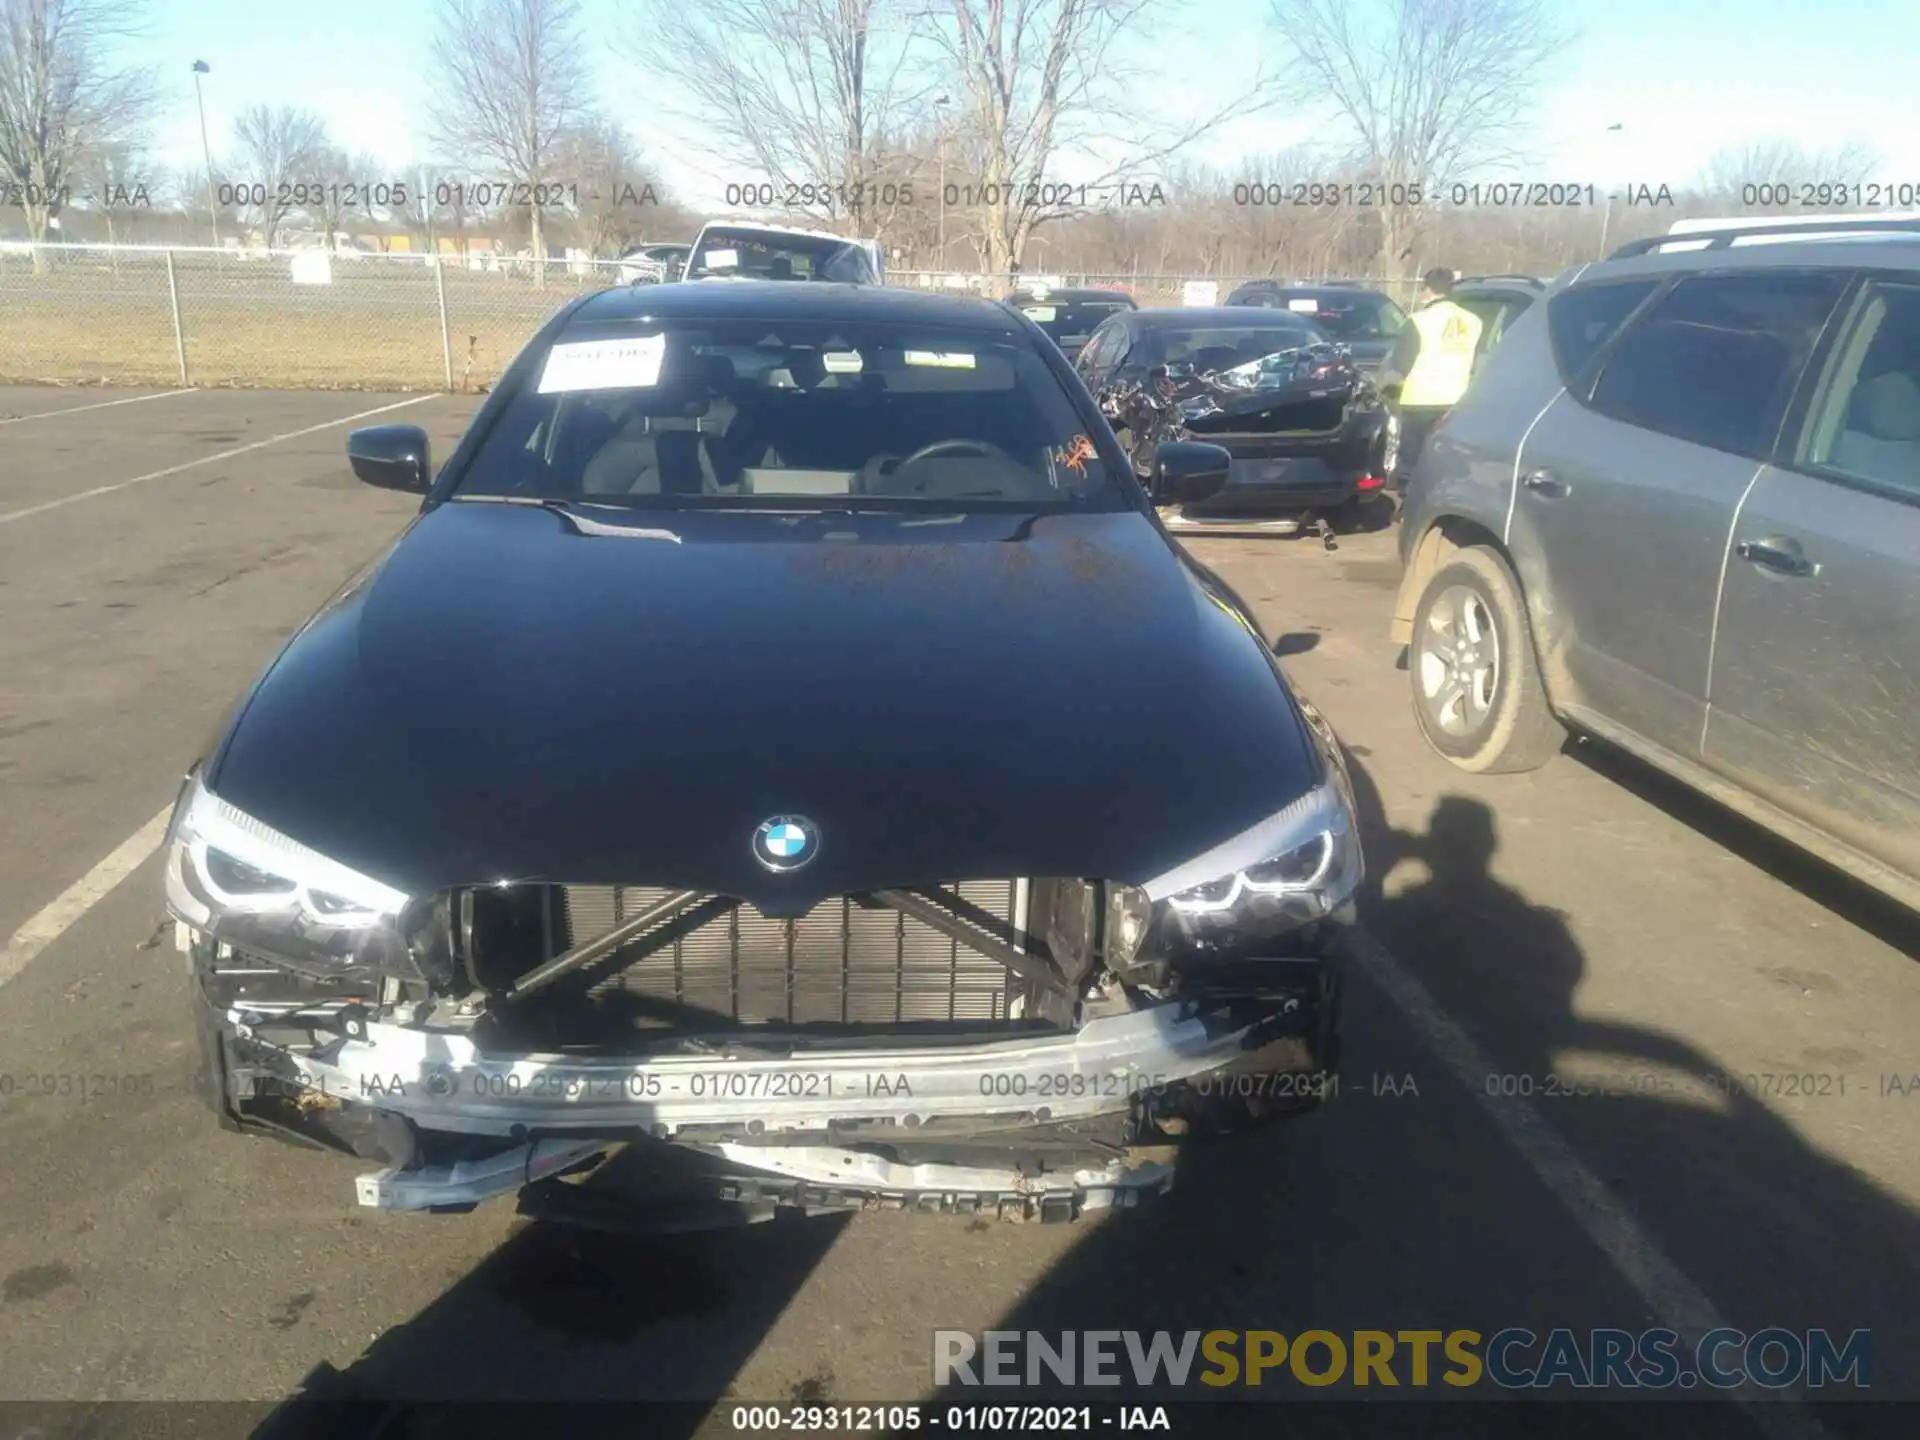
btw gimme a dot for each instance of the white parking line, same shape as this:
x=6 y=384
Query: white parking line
x=1679 y=1303
x=102 y=405
x=70 y=904
x=74 y=499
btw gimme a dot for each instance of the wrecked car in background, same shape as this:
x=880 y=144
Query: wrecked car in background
x=757 y=752
x=1310 y=438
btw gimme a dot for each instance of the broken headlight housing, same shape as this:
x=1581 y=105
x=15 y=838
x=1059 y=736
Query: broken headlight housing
x=240 y=881
x=1301 y=865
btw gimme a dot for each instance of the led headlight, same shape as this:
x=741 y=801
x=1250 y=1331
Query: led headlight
x=1300 y=865
x=241 y=881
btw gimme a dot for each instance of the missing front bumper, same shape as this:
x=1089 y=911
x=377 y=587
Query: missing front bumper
x=1047 y=1126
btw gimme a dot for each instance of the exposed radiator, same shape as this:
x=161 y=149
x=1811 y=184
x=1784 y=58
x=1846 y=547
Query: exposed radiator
x=839 y=963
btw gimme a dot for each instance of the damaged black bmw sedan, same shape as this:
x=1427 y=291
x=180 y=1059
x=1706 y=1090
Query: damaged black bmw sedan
x=785 y=738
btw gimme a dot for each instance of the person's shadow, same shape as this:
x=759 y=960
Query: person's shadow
x=1400 y=1205
x=1394 y=1210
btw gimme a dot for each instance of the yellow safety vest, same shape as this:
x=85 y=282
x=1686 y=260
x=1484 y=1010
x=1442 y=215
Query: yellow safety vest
x=1449 y=335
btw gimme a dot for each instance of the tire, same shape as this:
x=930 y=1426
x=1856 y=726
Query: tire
x=1488 y=713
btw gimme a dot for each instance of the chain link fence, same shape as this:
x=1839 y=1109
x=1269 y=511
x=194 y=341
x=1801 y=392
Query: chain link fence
x=300 y=319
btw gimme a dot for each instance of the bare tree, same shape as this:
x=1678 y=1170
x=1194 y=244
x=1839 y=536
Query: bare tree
x=513 y=79
x=614 y=199
x=1039 y=81
x=62 y=95
x=277 y=153
x=1427 y=90
x=342 y=190
x=1782 y=163
x=116 y=180
x=795 y=95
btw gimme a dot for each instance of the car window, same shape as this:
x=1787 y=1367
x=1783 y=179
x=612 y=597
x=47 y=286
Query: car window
x=1581 y=320
x=1716 y=359
x=718 y=413
x=1104 y=350
x=1211 y=346
x=749 y=254
x=1359 y=316
x=1868 y=424
x=1070 y=322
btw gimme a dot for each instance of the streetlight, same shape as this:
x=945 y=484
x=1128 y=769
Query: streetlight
x=200 y=67
x=1606 y=217
x=940 y=143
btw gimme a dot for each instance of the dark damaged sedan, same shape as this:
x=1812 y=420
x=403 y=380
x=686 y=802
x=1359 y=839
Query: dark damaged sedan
x=1309 y=436
x=784 y=749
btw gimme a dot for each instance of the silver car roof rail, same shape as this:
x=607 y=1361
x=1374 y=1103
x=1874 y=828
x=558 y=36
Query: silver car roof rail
x=1721 y=239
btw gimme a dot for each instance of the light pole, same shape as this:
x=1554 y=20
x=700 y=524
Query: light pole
x=200 y=67
x=1606 y=216
x=940 y=143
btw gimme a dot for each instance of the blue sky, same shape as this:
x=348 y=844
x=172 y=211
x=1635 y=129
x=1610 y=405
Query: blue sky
x=1683 y=77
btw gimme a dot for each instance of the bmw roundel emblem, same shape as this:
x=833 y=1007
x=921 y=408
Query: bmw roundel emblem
x=786 y=842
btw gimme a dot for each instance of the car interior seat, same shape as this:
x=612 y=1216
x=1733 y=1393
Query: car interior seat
x=625 y=464
x=1881 y=440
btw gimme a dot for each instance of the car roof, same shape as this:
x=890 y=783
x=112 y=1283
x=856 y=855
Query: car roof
x=1892 y=250
x=1332 y=289
x=1246 y=317
x=788 y=300
x=760 y=227
x=1498 y=285
x=1071 y=293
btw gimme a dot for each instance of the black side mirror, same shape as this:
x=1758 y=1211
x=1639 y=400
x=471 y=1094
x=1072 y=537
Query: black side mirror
x=394 y=457
x=1188 y=471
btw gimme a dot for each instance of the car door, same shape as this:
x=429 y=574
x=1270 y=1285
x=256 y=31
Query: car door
x=1815 y=698
x=1627 y=485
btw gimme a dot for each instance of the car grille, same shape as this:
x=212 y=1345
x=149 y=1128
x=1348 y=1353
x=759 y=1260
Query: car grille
x=842 y=962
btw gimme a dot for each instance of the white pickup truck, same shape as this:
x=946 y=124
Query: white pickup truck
x=753 y=250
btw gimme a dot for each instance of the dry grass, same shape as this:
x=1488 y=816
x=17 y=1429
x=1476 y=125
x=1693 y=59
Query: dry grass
x=253 y=345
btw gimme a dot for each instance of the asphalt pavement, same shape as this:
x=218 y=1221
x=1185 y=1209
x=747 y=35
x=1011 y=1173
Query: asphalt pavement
x=1615 y=1059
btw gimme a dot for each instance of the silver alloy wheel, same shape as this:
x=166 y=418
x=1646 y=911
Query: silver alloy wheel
x=1458 y=661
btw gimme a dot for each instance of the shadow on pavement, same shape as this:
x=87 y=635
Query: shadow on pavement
x=1883 y=918
x=1391 y=1212
x=1395 y=1209
x=560 y=1313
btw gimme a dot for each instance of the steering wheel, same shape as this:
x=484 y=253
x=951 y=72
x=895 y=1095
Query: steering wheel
x=982 y=448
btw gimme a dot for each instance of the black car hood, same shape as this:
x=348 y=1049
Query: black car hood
x=509 y=698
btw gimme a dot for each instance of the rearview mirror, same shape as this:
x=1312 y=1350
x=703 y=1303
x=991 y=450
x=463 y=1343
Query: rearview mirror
x=1188 y=471
x=394 y=457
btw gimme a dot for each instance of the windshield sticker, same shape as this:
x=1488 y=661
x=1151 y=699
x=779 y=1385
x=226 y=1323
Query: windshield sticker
x=941 y=359
x=841 y=362
x=1304 y=307
x=604 y=365
x=1075 y=454
x=1040 y=314
x=723 y=259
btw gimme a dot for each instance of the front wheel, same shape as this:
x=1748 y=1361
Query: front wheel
x=1477 y=692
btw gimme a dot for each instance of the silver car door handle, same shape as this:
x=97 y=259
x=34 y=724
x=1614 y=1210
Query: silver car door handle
x=1778 y=552
x=1545 y=482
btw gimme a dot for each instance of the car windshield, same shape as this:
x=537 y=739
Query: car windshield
x=1069 y=322
x=749 y=254
x=1221 y=347
x=1346 y=318
x=791 y=414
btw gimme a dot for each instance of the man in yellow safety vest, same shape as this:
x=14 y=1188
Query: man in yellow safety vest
x=1432 y=362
